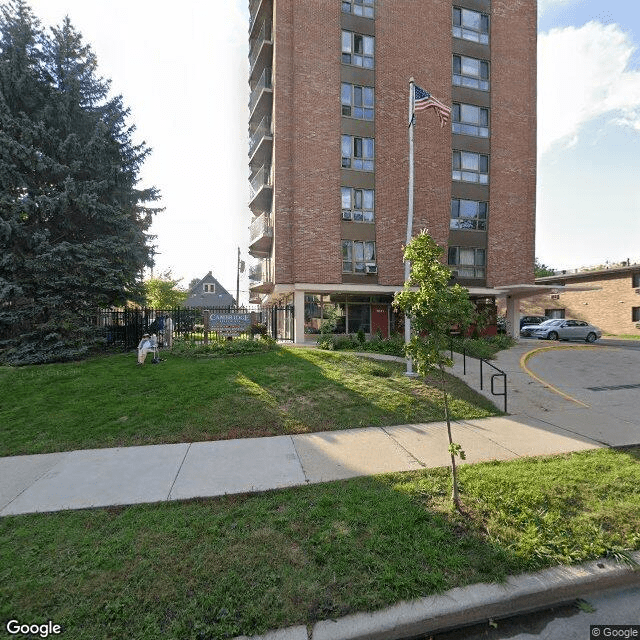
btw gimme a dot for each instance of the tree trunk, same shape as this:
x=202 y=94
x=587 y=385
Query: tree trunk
x=455 y=498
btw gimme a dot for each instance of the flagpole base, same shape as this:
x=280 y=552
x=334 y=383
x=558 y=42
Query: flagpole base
x=410 y=373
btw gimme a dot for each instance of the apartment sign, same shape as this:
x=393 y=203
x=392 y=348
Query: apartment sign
x=229 y=324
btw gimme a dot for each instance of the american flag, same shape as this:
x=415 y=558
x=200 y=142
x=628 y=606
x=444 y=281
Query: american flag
x=424 y=100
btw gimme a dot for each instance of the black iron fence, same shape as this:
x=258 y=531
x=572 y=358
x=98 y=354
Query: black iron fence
x=124 y=327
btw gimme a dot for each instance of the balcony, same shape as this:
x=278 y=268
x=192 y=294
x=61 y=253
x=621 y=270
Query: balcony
x=261 y=143
x=261 y=54
x=258 y=9
x=260 y=189
x=261 y=282
x=261 y=96
x=260 y=237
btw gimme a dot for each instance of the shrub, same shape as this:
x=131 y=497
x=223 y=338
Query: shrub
x=482 y=347
x=221 y=349
x=393 y=346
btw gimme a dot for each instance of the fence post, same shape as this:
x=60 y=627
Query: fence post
x=205 y=319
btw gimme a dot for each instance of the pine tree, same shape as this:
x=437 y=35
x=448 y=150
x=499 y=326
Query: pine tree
x=73 y=224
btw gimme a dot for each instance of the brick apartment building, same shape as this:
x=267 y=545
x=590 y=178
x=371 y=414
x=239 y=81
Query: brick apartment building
x=328 y=127
x=613 y=304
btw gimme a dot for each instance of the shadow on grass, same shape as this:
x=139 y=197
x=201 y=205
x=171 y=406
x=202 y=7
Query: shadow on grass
x=248 y=563
x=109 y=402
x=242 y=564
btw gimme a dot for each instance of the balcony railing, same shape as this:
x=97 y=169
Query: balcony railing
x=264 y=35
x=256 y=8
x=264 y=83
x=259 y=180
x=262 y=130
x=260 y=236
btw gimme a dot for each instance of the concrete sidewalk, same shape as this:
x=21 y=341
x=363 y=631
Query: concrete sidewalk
x=130 y=475
x=542 y=423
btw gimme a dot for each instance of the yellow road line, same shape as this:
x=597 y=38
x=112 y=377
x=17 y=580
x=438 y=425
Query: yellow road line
x=523 y=365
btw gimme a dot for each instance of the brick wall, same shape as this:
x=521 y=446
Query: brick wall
x=307 y=128
x=511 y=240
x=608 y=308
x=307 y=142
x=411 y=43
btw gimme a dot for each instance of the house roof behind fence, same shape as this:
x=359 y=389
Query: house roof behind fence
x=207 y=293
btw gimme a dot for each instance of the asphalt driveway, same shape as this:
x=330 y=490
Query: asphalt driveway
x=601 y=383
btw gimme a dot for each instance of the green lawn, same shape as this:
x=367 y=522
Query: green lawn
x=243 y=564
x=109 y=401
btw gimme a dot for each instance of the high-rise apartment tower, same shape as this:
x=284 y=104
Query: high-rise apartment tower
x=329 y=148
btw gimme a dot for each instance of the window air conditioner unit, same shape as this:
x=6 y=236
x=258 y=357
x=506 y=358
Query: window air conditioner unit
x=638 y=291
x=555 y=296
x=372 y=268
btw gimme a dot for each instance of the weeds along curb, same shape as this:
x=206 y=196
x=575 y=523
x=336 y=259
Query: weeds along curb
x=474 y=604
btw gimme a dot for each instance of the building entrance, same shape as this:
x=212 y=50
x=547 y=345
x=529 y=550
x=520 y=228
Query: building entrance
x=380 y=319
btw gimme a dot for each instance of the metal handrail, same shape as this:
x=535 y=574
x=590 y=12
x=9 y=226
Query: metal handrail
x=500 y=374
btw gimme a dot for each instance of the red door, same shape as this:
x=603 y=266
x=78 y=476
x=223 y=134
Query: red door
x=380 y=319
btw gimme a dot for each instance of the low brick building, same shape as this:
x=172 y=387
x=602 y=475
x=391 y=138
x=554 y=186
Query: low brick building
x=614 y=306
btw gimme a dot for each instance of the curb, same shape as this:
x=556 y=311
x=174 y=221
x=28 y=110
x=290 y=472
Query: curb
x=464 y=606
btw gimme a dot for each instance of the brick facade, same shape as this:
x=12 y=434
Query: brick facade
x=610 y=307
x=307 y=176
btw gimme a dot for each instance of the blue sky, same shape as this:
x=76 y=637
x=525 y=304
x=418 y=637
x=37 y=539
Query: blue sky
x=183 y=72
x=588 y=208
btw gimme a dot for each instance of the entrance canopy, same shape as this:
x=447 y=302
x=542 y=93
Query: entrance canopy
x=514 y=293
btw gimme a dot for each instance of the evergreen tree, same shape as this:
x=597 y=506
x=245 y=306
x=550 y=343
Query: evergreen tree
x=73 y=224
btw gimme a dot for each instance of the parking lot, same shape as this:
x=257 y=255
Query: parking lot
x=601 y=383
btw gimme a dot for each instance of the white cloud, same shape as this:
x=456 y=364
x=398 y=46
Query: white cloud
x=583 y=74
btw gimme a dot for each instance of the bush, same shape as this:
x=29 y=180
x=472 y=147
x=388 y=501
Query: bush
x=393 y=346
x=482 y=347
x=222 y=348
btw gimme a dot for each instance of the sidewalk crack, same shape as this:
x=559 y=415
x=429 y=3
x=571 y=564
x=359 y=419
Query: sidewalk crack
x=304 y=473
x=173 y=484
x=411 y=455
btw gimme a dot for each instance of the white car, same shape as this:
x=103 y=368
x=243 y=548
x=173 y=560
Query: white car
x=561 y=329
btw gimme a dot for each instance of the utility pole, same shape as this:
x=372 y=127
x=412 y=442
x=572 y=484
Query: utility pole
x=239 y=271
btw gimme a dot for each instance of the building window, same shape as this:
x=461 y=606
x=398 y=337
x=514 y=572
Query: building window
x=358 y=257
x=635 y=314
x=554 y=314
x=468 y=262
x=470 y=72
x=357 y=204
x=357 y=49
x=357 y=153
x=209 y=288
x=470 y=25
x=469 y=214
x=635 y=280
x=358 y=7
x=470 y=120
x=357 y=102
x=470 y=167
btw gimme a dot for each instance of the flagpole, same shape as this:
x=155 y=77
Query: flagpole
x=407 y=266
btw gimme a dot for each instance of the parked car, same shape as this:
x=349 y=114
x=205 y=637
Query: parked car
x=561 y=329
x=527 y=321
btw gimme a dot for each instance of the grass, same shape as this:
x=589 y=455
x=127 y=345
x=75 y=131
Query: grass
x=244 y=564
x=109 y=401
